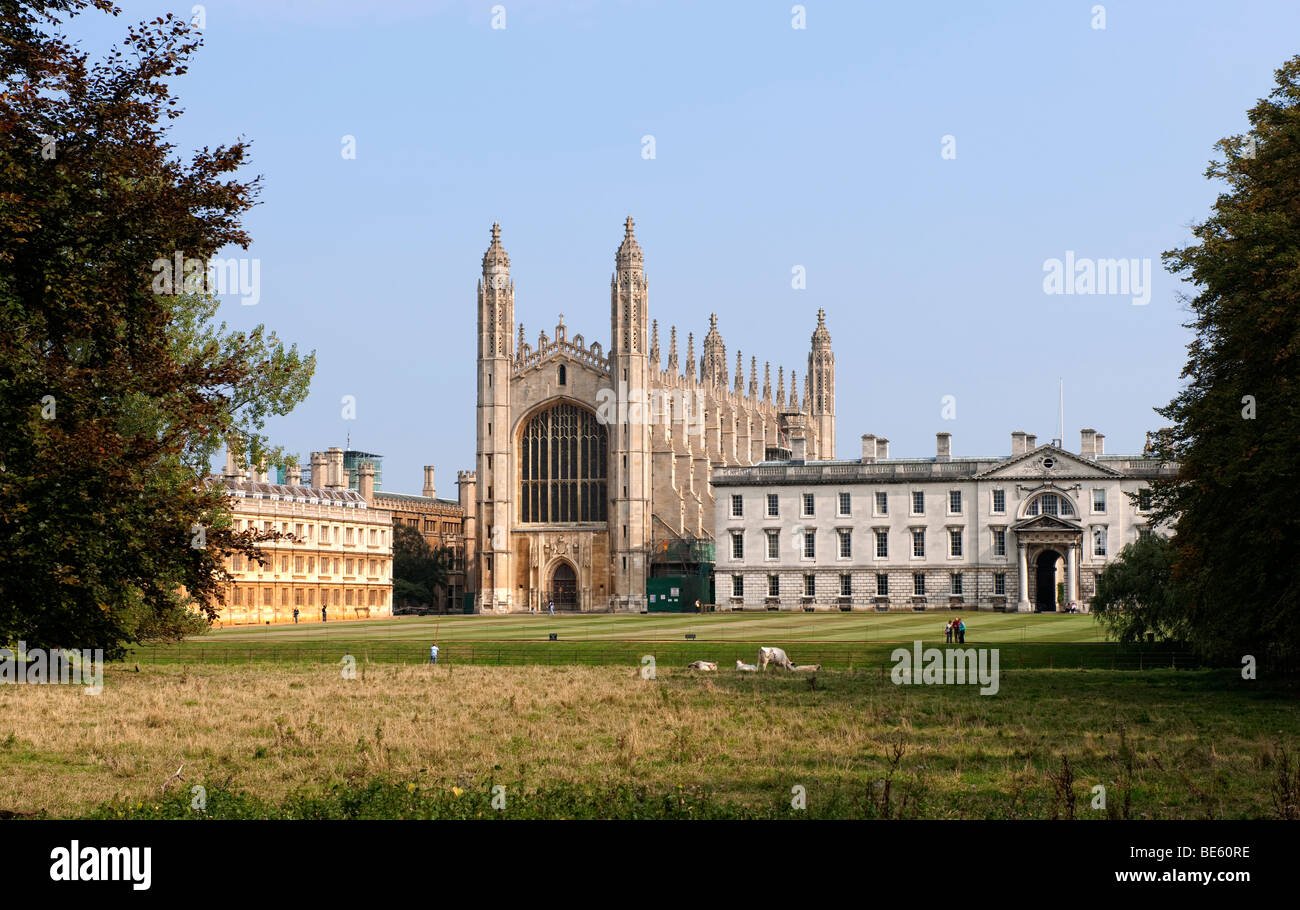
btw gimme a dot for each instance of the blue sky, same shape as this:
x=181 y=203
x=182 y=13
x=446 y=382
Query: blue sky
x=774 y=147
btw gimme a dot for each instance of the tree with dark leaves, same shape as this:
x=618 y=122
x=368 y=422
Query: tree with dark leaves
x=115 y=392
x=1235 y=431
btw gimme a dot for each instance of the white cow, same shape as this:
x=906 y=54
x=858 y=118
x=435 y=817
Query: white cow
x=807 y=668
x=774 y=656
x=743 y=667
x=703 y=665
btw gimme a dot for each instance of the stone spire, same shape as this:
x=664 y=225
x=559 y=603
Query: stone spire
x=713 y=365
x=630 y=446
x=629 y=299
x=753 y=379
x=794 y=391
x=496 y=327
x=629 y=251
x=672 y=351
x=780 y=387
x=654 y=346
x=819 y=393
x=767 y=382
x=821 y=339
x=740 y=375
x=690 y=355
x=495 y=257
x=519 y=348
x=496 y=301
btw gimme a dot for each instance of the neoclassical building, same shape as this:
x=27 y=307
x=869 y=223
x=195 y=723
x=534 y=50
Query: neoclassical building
x=1028 y=531
x=592 y=460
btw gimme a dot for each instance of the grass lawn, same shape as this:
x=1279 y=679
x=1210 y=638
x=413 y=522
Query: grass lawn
x=1196 y=743
x=832 y=639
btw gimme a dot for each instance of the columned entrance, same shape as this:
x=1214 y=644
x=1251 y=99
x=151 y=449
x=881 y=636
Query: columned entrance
x=1045 y=582
x=1043 y=542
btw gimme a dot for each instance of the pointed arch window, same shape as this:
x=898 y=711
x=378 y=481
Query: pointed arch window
x=564 y=464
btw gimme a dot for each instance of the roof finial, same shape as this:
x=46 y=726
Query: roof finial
x=496 y=232
x=628 y=226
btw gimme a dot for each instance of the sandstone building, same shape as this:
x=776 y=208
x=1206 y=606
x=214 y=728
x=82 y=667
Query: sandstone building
x=442 y=522
x=339 y=559
x=591 y=460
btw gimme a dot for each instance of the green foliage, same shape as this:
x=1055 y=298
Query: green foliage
x=1236 y=423
x=113 y=397
x=1135 y=593
x=419 y=571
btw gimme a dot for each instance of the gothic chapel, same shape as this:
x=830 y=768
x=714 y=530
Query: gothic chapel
x=571 y=505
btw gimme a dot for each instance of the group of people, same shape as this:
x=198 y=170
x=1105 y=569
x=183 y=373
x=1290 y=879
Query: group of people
x=955 y=630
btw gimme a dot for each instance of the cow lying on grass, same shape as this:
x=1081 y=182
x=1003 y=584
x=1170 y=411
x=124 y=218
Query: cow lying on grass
x=703 y=665
x=743 y=667
x=774 y=656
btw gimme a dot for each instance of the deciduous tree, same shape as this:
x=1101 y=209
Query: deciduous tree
x=1236 y=424
x=113 y=397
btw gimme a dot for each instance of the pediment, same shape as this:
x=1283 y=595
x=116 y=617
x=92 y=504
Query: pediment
x=1034 y=465
x=1046 y=523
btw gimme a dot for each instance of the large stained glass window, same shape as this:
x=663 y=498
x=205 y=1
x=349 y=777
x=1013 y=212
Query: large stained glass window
x=564 y=456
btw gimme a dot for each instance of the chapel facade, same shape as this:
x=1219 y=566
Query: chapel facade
x=592 y=459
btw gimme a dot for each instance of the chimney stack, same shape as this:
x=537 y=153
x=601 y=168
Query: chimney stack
x=334 y=469
x=798 y=425
x=293 y=477
x=366 y=481
x=318 y=470
x=1088 y=444
x=1101 y=444
x=1018 y=446
x=232 y=468
x=1031 y=442
x=943 y=446
x=429 y=490
x=882 y=449
x=799 y=448
x=868 y=448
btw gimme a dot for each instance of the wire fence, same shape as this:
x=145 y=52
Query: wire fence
x=830 y=655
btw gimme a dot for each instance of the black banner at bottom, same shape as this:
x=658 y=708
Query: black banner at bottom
x=139 y=858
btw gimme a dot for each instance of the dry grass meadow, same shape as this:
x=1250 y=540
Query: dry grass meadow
x=1195 y=744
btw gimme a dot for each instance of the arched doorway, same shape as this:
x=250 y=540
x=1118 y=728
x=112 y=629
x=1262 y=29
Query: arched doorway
x=564 y=587
x=1045 y=581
